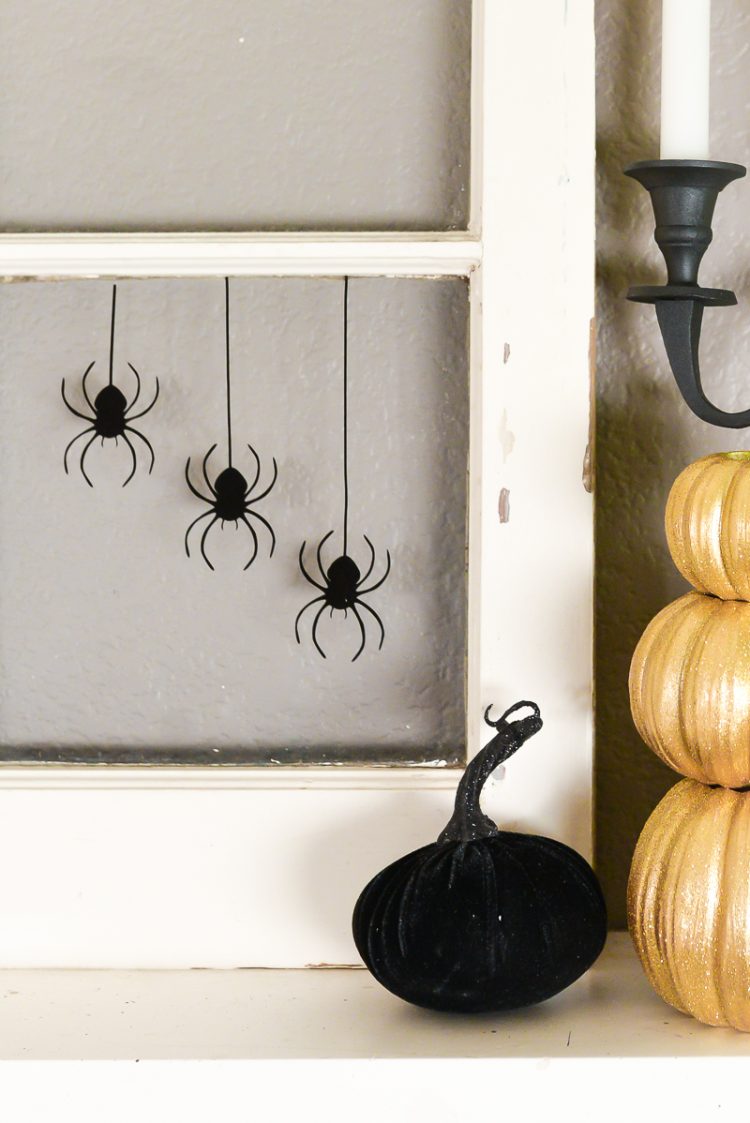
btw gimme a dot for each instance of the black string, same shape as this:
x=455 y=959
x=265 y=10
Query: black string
x=112 y=335
x=229 y=386
x=346 y=411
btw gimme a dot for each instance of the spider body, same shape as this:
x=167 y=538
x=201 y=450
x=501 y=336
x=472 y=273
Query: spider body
x=342 y=580
x=230 y=499
x=231 y=490
x=110 y=405
x=110 y=419
x=342 y=589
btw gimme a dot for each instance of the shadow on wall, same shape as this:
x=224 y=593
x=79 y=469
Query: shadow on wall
x=633 y=584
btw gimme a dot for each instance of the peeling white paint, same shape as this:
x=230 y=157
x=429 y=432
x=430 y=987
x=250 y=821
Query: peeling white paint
x=506 y=436
x=587 y=475
x=503 y=505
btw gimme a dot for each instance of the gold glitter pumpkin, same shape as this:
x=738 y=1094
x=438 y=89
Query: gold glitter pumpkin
x=689 y=902
x=690 y=688
x=708 y=524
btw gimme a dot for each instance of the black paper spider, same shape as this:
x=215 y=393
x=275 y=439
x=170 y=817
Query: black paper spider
x=231 y=501
x=111 y=412
x=342 y=589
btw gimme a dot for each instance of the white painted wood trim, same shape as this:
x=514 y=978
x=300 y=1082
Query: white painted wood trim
x=537 y=300
x=107 y=777
x=213 y=870
x=476 y=665
x=476 y=175
x=332 y=1047
x=705 y=1088
x=611 y=1012
x=205 y=255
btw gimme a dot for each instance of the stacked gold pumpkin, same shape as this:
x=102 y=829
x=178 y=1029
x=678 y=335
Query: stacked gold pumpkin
x=689 y=887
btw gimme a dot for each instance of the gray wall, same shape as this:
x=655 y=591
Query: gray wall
x=221 y=114
x=645 y=434
x=112 y=641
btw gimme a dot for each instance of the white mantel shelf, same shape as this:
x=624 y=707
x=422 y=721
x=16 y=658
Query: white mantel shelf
x=269 y=1044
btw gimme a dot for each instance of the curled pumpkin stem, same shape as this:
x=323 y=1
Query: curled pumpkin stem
x=511 y=710
x=468 y=821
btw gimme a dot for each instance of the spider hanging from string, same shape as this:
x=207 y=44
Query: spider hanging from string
x=341 y=585
x=230 y=497
x=112 y=415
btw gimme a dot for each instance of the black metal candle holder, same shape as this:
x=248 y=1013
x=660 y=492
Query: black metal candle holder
x=684 y=193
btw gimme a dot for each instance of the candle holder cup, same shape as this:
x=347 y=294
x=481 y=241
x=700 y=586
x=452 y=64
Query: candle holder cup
x=684 y=194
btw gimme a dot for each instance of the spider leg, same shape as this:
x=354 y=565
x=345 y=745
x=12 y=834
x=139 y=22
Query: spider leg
x=361 y=623
x=255 y=544
x=318 y=614
x=263 y=494
x=361 y=592
x=205 y=471
x=192 y=488
x=135 y=460
x=187 y=532
x=71 y=443
x=70 y=407
x=372 y=559
x=146 y=441
x=372 y=612
x=83 y=457
x=268 y=526
x=203 y=541
x=86 y=373
x=257 y=469
x=301 y=613
x=137 y=388
x=320 y=554
x=148 y=408
x=305 y=574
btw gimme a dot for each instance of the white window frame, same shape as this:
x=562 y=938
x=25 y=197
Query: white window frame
x=149 y=866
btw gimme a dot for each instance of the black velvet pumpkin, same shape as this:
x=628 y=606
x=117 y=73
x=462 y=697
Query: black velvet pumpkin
x=482 y=919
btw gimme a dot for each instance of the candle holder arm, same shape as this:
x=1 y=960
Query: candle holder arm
x=680 y=321
x=684 y=193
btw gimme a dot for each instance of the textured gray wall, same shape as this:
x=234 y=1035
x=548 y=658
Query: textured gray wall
x=645 y=434
x=110 y=638
x=221 y=114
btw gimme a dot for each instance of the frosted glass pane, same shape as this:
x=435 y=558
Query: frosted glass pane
x=113 y=644
x=234 y=114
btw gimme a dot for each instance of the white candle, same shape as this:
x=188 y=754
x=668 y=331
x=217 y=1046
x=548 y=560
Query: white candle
x=685 y=56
